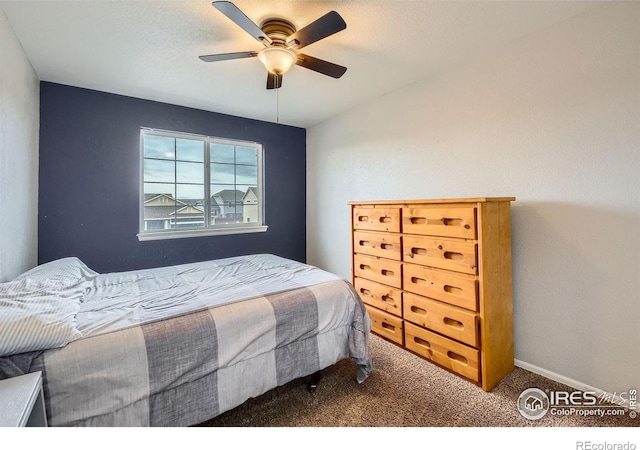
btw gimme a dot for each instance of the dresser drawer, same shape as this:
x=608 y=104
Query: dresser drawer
x=382 y=297
x=377 y=244
x=460 y=256
x=382 y=270
x=459 y=222
x=439 y=349
x=455 y=289
x=386 y=324
x=456 y=323
x=377 y=219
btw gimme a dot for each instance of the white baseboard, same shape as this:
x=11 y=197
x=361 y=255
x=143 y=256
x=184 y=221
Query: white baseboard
x=571 y=382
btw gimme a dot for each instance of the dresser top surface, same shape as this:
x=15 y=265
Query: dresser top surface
x=440 y=200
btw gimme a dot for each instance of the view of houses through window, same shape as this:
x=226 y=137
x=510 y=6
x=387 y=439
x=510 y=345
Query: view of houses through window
x=192 y=182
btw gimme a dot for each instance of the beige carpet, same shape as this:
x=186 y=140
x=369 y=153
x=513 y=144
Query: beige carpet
x=402 y=391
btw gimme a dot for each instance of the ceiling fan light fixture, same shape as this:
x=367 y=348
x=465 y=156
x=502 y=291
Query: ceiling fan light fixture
x=277 y=60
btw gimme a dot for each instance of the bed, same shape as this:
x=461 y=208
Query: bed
x=175 y=346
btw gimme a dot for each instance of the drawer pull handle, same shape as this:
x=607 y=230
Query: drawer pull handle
x=420 y=311
x=416 y=280
x=365 y=267
x=454 y=323
x=421 y=342
x=363 y=218
x=453 y=290
x=365 y=292
x=418 y=251
x=451 y=222
x=364 y=243
x=454 y=256
x=418 y=220
x=387 y=273
x=387 y=299
x=389 y=327
x=461 y=359
x=386 y=246
x=385 y=219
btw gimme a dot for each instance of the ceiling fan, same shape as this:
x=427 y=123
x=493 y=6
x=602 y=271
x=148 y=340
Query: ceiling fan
x=282 y=42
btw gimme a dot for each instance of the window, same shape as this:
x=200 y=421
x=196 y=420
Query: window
x=194 y=185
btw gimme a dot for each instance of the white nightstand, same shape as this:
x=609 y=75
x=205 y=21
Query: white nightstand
x=22 y=401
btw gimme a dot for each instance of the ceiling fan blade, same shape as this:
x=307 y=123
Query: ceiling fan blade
x=321 y=66
x=232 y=12
x=323 y=27
x=227 y=56
x=274 y=81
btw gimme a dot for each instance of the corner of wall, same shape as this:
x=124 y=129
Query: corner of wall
x=19 y=154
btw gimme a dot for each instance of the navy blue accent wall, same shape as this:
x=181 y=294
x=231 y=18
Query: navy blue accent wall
x=90 y=181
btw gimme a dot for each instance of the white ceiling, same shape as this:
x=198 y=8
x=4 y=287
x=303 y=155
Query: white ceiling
x=149 y=49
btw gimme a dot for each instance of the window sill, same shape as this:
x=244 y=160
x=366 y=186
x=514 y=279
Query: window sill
x=151 y=236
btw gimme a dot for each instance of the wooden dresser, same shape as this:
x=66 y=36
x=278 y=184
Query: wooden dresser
x=435 y=276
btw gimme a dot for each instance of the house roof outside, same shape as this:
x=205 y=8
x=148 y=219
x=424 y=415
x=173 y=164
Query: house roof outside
x=252 y=190
x=191 y=207
x=229 y=195
x=158 y=212
x=251 y=196
x=226 y=195
x=167 y=212
x=149 y=197
x=189 y=211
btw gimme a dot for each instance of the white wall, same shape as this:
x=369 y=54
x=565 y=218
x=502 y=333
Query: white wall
x=554 y=120
x=19 y=129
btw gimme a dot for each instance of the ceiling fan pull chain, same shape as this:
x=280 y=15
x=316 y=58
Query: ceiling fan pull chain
x=277 y=100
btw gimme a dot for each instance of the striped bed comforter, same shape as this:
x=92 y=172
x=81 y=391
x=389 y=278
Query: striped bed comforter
x=179 y=345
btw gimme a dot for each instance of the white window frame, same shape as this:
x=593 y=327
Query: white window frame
x=209 y=229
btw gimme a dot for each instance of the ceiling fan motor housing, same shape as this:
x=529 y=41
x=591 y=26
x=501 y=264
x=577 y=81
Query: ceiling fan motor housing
x=278 y=30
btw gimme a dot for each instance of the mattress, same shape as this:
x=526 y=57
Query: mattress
x=178 y=345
